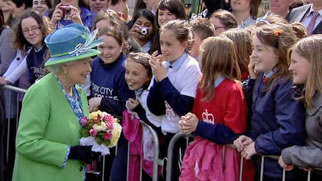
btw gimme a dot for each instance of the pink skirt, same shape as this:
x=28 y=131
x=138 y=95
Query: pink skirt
x=205 y=160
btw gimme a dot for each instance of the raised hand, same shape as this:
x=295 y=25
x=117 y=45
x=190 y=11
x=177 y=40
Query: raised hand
x=158 y=68
x=132 y=103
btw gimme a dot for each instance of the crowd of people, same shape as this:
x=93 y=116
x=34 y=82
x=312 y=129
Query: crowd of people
x=225 y=75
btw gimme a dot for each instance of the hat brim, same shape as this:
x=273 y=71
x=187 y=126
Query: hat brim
x=69 y=58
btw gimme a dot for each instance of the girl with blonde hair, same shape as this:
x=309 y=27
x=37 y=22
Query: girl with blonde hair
x=306 y=66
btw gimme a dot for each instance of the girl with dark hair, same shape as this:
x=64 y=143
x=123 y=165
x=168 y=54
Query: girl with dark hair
x=6 y=12
x=41 y=5
x=16 y=8
x=144 y=29
x=66 y=12
x=170 y=10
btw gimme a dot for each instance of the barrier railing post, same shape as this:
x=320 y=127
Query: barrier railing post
x=103 y=169
x=142 y=157
x=156 y=151
x=17 y=110
x=128 y=162
x=262 y=169
x=170 y=154
x=308 y=175
x=8 y=126
x=241 y=168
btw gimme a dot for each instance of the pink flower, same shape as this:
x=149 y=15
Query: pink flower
x=109 y=125
x=84 y=121
x=109 y=121
x=108 y=136
x=92 y=132
x=108 y=118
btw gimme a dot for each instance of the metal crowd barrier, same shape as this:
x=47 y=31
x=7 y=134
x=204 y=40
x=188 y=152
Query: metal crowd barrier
x=156 y=161
x=19 y=91
x=275 y=157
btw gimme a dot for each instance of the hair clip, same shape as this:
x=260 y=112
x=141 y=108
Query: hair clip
x=263 y=20
x=277 y=33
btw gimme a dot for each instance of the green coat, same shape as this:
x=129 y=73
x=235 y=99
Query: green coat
x=47 y=127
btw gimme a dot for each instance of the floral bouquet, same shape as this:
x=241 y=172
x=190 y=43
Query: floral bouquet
x=101 y=130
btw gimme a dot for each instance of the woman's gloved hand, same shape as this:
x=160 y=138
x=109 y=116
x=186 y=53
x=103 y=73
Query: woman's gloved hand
x=83 y=153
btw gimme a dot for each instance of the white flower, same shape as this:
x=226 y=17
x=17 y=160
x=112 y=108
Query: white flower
x=100 y=127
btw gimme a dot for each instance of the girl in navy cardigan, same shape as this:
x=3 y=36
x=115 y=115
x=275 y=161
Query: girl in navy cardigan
x=277 y=118
x=108 y=87
x=109 y=90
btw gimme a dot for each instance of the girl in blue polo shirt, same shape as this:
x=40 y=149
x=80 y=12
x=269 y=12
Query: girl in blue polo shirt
x=175 y=80
x=277 y=118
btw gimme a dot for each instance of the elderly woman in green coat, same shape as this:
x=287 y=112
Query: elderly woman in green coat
x=48 y=136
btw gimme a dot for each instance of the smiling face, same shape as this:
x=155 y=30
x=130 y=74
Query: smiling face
x=4 y=5
x=110 y=49
x=264 y=56
x=165 y=16
x=171 y=47
x=76 y=72
x=32 y=32
x=39 y=5
x=136 y=75
x=300 y=68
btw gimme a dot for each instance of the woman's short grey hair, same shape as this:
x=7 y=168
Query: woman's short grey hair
x=55 y=69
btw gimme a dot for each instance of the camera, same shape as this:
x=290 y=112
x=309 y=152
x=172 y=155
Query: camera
x=144 y=30
x=66 y=10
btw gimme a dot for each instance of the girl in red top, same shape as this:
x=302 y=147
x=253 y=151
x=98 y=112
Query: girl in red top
x=219 y=113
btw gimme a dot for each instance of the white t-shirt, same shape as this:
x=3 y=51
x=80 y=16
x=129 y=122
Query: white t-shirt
x=185 y=79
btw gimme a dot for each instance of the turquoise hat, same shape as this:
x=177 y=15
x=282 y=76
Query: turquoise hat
x=70 y=43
